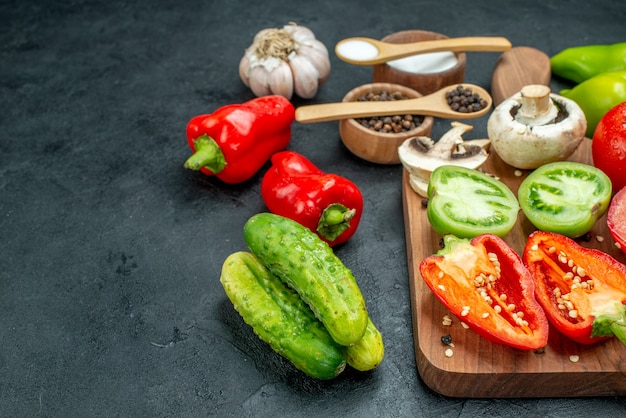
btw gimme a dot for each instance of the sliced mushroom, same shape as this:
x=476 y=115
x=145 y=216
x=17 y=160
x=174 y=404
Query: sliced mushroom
x=420 y=156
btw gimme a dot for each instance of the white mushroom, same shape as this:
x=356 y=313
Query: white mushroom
x=420 y=155
x=534 y=127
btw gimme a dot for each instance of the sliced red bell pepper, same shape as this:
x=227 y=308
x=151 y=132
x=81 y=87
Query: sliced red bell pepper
x=236 y=140
x=484 y=283
x=582 y=290
x=328 y=204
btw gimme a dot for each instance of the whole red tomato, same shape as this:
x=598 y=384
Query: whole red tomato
x=616 y=218
x=609 y=145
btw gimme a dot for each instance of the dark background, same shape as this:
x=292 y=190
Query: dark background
x=110 y=251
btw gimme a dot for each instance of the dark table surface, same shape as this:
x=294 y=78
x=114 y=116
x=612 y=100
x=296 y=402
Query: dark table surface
x=111 y=251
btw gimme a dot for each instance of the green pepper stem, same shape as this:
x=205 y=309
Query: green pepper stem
x=611 y=321
x=208 y=154
x=619 y=330
x=334 y=220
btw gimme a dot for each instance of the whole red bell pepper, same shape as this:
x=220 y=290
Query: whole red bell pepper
x=582 y=290
x=236 y=140
x=328 y=204
x=484 y=283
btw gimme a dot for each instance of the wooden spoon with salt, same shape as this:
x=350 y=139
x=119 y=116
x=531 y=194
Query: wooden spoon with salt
x=434 y=104
x=368 y=51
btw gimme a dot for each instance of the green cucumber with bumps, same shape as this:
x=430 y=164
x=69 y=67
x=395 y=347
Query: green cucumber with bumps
x=279 y=317
x=298 y=257
x=368 y=352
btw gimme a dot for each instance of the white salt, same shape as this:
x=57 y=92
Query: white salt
x=428 y=63
x=357 y=50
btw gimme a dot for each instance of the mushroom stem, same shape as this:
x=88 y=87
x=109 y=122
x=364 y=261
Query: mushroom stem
x=450 y=139
x=537 y=107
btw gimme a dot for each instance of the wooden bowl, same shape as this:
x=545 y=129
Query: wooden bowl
x=426 y=82
x=374 y=146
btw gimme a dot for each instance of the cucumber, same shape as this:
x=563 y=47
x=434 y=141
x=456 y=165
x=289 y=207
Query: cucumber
x=368 y=352
x=298 y=257
x=280 y=318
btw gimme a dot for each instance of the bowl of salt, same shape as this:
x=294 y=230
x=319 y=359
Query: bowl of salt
x=427 y=72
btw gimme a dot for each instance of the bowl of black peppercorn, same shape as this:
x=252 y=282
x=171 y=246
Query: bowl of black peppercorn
x=377 y=138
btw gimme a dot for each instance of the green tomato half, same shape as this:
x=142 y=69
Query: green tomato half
x=565 y=197
x=466 y=203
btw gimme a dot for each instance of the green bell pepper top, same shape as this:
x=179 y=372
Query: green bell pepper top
x=580 y=63
x=598 y=95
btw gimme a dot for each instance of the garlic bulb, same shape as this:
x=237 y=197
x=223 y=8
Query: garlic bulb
x=285 y=61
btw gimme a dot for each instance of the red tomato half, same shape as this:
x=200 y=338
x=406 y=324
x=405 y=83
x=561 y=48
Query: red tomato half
x=616 y=218
x=609 y=145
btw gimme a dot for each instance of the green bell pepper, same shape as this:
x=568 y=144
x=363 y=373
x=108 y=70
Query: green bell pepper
x=580 y=63
x=598 y=95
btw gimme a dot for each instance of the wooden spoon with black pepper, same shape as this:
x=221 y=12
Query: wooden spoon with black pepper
x=434 y=104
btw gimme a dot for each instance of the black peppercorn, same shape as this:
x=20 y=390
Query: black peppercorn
x=389 y=124
x=464 y=100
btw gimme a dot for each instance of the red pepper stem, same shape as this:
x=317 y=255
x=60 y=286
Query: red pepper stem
x=334 y=220
x=208 y=154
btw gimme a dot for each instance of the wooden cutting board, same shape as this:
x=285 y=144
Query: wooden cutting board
x=518 y=67
x=481 y=369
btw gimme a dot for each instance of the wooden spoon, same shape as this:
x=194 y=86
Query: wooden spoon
x=434 y=104
x=519 y=67
x=367 y=51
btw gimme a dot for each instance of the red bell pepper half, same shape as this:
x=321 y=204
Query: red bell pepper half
x=484 y=283
x=582 y=290
x=327 y=204
x=236 y=140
